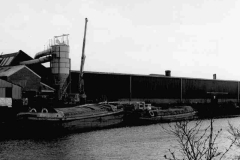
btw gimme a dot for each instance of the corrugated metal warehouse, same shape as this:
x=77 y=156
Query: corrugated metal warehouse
x=158 y=89
x=114 y=86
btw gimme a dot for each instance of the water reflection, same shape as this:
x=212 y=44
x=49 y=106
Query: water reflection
x=130 y=143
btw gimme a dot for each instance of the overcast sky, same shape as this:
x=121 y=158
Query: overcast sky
x=192 y=38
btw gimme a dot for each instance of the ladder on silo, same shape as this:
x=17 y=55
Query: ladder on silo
x=64 y=88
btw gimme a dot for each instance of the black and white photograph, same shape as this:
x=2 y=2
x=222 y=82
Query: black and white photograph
x=120 y=80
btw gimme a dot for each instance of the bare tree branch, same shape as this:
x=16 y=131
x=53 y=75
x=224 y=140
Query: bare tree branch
x=198 y=143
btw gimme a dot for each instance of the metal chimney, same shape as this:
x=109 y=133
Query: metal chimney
x=168 y=73
x=214 y=76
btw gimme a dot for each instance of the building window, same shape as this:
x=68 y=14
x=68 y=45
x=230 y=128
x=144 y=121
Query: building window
x=9 y=92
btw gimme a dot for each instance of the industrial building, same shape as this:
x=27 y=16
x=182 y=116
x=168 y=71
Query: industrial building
x=13 y=59
x=156 y=89
x=10 y=90
x=99 y=86
x=129 y=87
x=10 y=96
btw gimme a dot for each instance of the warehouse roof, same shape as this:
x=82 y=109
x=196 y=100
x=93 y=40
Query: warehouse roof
x=13 y=58
x=6 y=60
x=9 y=70
x=153 y=75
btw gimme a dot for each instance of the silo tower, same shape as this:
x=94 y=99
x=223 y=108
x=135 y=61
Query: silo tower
x=60 y=64
x=58 y=55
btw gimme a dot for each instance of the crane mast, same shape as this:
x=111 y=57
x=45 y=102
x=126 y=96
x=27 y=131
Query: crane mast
x=81 y=82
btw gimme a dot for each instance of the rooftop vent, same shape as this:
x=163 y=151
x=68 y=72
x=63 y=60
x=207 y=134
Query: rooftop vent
x=214 y=76
x=168 y=73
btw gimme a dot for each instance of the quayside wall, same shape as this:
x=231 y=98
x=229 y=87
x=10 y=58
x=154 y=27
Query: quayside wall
x=155 y=89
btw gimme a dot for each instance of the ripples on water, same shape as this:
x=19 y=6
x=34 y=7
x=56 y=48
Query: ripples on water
x=128 y=143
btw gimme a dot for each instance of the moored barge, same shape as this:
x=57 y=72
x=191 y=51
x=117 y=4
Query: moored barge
x=82 y=117
x=170 y=115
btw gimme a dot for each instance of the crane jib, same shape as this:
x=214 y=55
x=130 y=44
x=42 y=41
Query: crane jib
x=81 y=89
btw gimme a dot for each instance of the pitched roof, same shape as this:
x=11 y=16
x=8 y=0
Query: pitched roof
x=46 y=88
x=5 y=60
x=9 y=70
x=8 y=59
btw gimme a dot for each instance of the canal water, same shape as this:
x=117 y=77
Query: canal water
x=150 y=142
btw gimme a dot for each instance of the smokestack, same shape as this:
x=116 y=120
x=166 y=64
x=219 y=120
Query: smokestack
x=214 y=76
x=168 y=73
